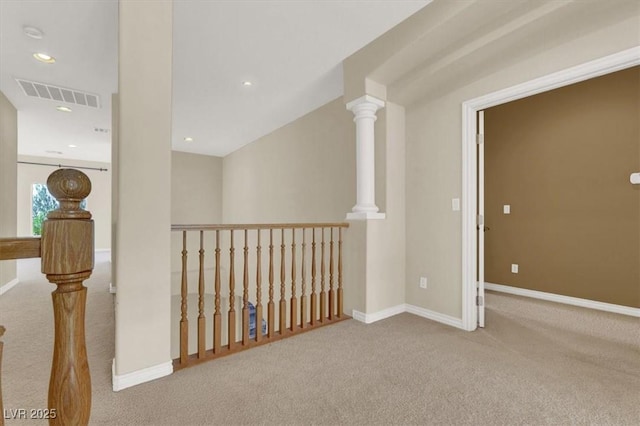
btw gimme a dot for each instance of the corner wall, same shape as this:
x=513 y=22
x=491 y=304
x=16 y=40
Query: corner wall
x=8 y=182
x=142 y=158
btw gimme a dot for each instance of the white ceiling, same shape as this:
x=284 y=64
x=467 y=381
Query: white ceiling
x=291 y=50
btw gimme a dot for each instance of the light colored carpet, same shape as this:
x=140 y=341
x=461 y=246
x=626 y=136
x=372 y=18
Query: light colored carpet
x=535 y=363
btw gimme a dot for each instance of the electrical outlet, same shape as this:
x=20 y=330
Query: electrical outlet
x=423 y=282
x=514 y=268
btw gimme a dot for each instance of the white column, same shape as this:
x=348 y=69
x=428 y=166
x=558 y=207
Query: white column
x=364 y=109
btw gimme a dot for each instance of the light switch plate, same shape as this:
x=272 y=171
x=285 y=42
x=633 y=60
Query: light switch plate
x=506 y=209
x=514 y=268
x=455 y=204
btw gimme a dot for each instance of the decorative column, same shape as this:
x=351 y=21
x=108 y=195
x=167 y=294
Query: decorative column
x=364 y=109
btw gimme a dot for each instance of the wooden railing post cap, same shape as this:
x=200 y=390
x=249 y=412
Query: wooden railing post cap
x=69 y=187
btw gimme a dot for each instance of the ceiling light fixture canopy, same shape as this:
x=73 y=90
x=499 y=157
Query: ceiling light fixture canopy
x=43 y=57
x=188 y=139
x=72 y=145
x=247 y=83
x=63 y=109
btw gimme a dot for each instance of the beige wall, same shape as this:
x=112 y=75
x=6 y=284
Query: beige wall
x=143 y=187
x=562 y=161
x=302 y=172
x=8 y=181
x=196 y=188
x=196 y=198
x=434 y=127
x=98 y=201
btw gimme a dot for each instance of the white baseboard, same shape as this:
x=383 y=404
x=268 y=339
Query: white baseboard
x=435 y=316
x=377 y=316
x=8 y=286
x=127 y=380
x=405 y=307
x=567 y=300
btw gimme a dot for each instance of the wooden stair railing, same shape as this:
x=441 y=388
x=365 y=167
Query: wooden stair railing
x=66 y=252
x=306 y=310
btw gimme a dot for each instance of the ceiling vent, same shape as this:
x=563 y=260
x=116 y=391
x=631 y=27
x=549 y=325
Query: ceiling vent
x=60 y=94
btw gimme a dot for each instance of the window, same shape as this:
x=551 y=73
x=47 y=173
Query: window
x=42 y=202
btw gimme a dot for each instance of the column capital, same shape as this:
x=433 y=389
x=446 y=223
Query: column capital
x=365 y=104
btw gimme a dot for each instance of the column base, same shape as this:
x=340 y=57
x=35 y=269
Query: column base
x=365 y=215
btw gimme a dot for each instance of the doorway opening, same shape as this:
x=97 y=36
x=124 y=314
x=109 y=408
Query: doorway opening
x=472 y=250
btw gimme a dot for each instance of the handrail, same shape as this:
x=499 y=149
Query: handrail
x=252 y=226
x=19 y=248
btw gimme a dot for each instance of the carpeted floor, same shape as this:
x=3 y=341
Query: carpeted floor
x=535 y=363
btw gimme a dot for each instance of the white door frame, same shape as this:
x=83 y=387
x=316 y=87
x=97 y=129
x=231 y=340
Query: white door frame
x=606 y=65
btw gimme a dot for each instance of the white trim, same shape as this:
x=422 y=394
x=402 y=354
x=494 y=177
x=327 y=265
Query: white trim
x=365 y=215
x=567 y=300
x=380 y=315
x=8 y=286
x=606 y=65
x=365 y=99
x=434 y=316
x=101 y=250
x=405 y=307
x=112 y=288
x=127 y=380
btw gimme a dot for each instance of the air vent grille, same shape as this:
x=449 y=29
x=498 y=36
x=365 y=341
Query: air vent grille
x=46 y=91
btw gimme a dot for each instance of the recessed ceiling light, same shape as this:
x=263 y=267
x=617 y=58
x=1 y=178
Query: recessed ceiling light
x=63 y=109
x=188 y=139
x=33 y=32
x=247 y=83
x=72 y=145
x=43 y=57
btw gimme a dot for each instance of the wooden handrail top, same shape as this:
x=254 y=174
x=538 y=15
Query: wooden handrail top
x=228 y=227
x=19 y=248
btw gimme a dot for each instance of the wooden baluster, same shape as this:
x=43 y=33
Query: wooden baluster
x=270 y=304
x=340 y=298
x=332 y=300
x=217 y=317
x=303 y=296
x=2 y=329
x=258 y=290
x=323 y=302
x=283 y=303
x=184 y=321
x=314 y=309
x=67 y=260
x=245 y=293
x=232 y=296
x=293 y=320
x=201 y=317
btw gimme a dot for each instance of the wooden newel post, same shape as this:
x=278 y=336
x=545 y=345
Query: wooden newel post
x=67 y=260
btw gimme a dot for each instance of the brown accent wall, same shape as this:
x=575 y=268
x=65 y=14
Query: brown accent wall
x=562 y=161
